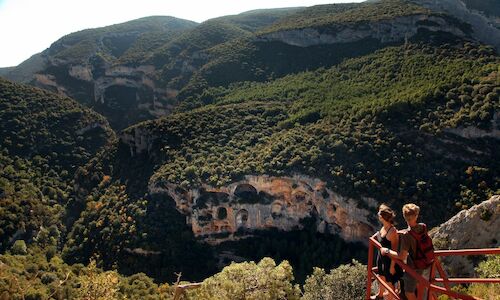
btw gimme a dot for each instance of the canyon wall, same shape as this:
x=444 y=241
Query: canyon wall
x=262 y=202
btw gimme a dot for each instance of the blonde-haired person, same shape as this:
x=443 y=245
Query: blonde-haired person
x=408 y=249
x=389 y=238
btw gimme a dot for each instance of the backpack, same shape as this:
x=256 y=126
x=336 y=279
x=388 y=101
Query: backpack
x=424 y=254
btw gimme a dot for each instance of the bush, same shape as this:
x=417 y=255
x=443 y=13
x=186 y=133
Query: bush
x=344 y=282
x=262 y=281
x=97 y=285
x=19 y=248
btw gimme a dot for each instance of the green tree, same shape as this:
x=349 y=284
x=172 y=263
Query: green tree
x=251 y=281
x=19 y=248
x=95 y=285
x=344 y=282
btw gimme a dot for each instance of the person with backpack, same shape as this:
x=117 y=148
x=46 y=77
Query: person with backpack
x=416 y=249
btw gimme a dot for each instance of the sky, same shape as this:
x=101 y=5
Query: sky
x=28 y=27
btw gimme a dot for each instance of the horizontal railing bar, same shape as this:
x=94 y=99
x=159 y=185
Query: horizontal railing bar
x=467 y=252
x=469 y=280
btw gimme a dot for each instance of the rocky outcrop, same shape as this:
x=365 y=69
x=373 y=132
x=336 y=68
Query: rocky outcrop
x=385 y=31
x=262 y=202
x=81 y=72
x=476 y=227
x=125 y=91
x=102 y=125
x=472 y=132
x=138 y=139
x=484 y=28
x=49 y=82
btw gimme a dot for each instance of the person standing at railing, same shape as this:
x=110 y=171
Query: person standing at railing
x=416 y=249
x=387 y=237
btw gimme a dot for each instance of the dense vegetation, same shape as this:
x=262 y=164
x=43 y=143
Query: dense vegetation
x=42 y=274
x=327 y=122
x=127 y=41
x=132 y=234
x=378 y=126
x=44 y=138
x=329 y=16
x=38 y=274
x=305 y=249
x=344 y=282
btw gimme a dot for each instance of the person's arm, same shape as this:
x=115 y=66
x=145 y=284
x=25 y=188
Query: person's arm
x=403 y=252
x=393 y=254
x=394 y=238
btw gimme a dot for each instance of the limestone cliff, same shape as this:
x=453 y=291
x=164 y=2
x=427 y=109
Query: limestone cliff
x=484 y=29
x=385 y=31
x=261 y=202
x=116 y=89
x=472 y=132
x=476 y=227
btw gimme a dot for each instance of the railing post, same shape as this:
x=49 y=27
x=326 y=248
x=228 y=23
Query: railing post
x=370 y=266
x=432 y=276
x=442 y=274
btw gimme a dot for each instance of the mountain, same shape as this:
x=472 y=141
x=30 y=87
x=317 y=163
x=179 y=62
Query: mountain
x=96 y=64
x=270 y=133
x=317 y=37
x=4 y=71
x=121 y=71
x=313 y=152
x=130 y=75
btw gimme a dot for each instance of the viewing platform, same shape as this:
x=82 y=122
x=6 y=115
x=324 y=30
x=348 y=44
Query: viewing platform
x=429 y=288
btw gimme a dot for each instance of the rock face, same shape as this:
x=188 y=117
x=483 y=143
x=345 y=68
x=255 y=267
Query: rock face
x=484 y=29
x=139 y=140
x=476 y=227
x=108 y=70
x=124 y=94
x=472 y=132
x=385 y=31
x=262 y=202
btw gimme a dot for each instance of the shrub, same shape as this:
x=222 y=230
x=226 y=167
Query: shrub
x=344 y=282
x=19 y=248
x=248 y=280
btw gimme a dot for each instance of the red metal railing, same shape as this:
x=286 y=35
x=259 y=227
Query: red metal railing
x=433 y=290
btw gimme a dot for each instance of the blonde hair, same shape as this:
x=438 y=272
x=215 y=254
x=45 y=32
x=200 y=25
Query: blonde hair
x=387 y=213
x=410 y=210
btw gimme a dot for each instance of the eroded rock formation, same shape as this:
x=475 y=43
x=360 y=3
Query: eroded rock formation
x=484 y=29
x=385 y=31
x=472 y=132
x=476 y=227
x=261 y=202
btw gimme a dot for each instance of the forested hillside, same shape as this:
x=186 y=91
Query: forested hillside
x=45 y=138
x=268 y=134
x=391 y=126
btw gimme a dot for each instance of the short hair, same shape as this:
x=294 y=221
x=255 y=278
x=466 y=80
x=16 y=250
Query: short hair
x=410 y=210
x=387 y=213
